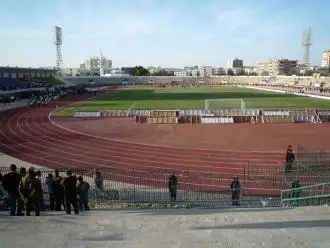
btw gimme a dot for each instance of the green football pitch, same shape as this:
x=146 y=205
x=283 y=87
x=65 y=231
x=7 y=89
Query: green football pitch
x=193 y=98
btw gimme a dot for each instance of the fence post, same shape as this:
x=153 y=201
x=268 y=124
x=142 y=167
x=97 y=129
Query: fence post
x=244 y=178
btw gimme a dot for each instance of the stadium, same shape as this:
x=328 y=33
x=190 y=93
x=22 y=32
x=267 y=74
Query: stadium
x=139 y=130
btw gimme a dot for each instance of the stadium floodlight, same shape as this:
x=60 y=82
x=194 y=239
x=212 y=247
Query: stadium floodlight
x=58 y=39
x=238 y=103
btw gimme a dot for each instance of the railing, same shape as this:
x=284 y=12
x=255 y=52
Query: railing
x=313 y=195
x=124 y=187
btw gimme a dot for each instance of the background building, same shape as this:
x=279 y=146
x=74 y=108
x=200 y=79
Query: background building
x=235 y=63
x=180 y=73
x=278 y=67
x=205 y=71
x=326 y=59
x=93 y=64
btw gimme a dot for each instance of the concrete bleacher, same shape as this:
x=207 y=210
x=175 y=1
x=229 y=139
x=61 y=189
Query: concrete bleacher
x=149 y=228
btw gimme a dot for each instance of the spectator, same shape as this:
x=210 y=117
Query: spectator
x=1 y=180
x=51 y=188
x=289 y=159
x=236 y=189
x=38 y=176
x=70 y=193
x=31 y=191
x=58 y=191
x=98 y=180
x=22 y=171
x=83 y=189
x=10 y=184
x=296 y=191
x=173 y=186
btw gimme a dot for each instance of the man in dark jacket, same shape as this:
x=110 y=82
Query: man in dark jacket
x=173 y=186
x=83 y=189
x=289 y=159
x=236 y=189
x=58 y=191
x=10 y=184
x=51 y=188
x=296 y=191
x=70 y=193
x=35 y=194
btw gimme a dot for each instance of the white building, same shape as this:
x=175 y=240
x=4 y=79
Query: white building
x=205 y=71
x=181 y=73
x=97 y=65
x=326 y=59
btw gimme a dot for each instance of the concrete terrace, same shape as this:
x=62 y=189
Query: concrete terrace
x=247 y=228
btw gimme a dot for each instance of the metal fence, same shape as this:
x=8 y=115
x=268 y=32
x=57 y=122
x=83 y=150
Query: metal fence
x=147 y=188
x=313 y=160
x=261 y=186
x=313 y=195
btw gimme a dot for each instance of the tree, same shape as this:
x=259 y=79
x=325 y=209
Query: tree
x=241 y=72
x=308 y=73
x=230 y=72
x=140 y=71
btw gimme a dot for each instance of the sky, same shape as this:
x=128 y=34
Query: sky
x=172 y=33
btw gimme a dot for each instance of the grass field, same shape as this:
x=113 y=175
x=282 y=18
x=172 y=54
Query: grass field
x=185 y=98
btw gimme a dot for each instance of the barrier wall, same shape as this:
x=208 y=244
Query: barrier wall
x=219 y=116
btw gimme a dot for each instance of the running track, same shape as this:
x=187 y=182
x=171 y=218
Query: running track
x=31 y=135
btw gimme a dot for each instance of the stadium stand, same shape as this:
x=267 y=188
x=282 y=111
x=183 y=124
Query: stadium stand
x=11 y=84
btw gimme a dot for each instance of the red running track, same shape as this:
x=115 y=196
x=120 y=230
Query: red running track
x=30 y=134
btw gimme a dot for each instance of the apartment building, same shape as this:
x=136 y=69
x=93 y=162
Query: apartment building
x=180 y=73
x=325 y=59
x=205 y=71
x=278 y=67
x=97 y=65
x=235 y=63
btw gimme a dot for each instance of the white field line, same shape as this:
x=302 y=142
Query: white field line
x=132 y=106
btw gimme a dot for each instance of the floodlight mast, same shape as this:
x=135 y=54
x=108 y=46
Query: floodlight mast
x=58 y=43
x=306 y=43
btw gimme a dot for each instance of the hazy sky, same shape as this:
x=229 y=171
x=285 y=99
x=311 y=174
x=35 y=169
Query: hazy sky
x=163 y=32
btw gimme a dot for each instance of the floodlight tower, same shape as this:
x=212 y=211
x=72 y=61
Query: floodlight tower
x=58 y=44
x=306 y=43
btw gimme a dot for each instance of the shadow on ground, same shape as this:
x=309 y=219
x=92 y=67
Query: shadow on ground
x=171 y=212
x=271 y=225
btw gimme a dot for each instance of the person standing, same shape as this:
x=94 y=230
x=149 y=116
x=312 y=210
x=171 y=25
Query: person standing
x=51 y=188
x=70 y=192
x=173 y=186
x=10 y=184
x=83 y=190
x=296 y=191
x=98 y=180
x=58 y=191
x=35 y=195
x=236 y=189
x=289 y=159
x=39 y=177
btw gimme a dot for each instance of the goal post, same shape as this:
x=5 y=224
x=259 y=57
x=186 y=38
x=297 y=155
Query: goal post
x=238 y=103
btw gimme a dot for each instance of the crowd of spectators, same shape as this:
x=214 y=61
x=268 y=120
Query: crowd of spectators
x=26 y=191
